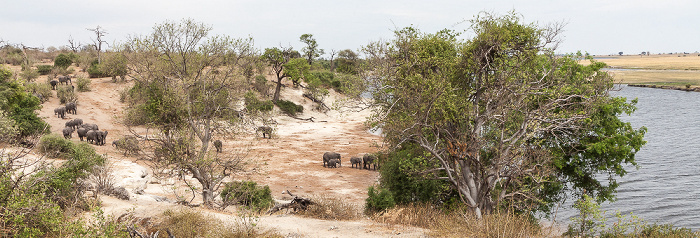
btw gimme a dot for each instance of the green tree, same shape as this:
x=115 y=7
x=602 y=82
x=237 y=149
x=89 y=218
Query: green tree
x=347 y=62
x=283 y=63
x=491 y=112
x=20 y=106
x=311 y=50
x=188 y=85
x=62 y=61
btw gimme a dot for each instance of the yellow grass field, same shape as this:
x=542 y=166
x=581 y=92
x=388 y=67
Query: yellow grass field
x=667 y=69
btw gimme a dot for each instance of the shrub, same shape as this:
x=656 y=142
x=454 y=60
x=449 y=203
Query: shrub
x=113 y=65
x=261 y=86
x=94 y=70
x=62 y=61
x=20 y=106
x=8 y=129
x=44 y=69
x=289 y=107
x=29 y=74
x=55 y=146
x=378 y=201
x=83 y=84
x=66 y=94
x=41 y=89
x=589 y=220
x=252 y=103
x=247 y=193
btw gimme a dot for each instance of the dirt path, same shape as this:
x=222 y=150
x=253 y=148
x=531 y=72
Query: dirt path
x=291 y=160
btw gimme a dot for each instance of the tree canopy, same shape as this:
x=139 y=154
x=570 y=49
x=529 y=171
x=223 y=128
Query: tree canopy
x=506 y=121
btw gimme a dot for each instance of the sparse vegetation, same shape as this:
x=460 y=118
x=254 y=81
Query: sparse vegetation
x=44 y=69
x=42 y=89
x=252 y=104
x=331 y=208
x=289 y=107
x=66 y=94
x=247 y=193
x=83 y=84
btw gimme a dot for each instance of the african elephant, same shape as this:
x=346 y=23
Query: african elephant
x=101 y=137
x=67 y=132
x=64 y=79
x=333 y=163
x=330 y=155
x=368 y=160
x=355 y=161
x=72 y=107
x=89 y=126
x=218 y=145
x=92 y=136
x=53 y=84
x=75 y=123
x=265 y=130
x=82 y=132
x=60 y=111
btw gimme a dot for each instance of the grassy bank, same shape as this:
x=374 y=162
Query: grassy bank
x=666 y=69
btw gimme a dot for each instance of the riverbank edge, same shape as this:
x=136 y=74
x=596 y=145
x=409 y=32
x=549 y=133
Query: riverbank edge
x=687 y=89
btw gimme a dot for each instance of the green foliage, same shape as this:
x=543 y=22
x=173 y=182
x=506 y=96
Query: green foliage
x=261 y=86
x=66 y=94
x=62 y=61
x=289 y=107
x=20 y=106
x=400 y=172
x=154 y=104
x=113 y=65
x=42 y=89
x=347 y=62
x=44 y=69
x=589 y=220
x=296 y=70
x=54 y=145
x=8 y=129
x=252 y=103
x=95 y=71
x=83 y=84
x=247 y=193
x=311 y=50
x=29 y=74
x=378 y=201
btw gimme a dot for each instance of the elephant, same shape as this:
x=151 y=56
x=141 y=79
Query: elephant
x=265 y=130
x=75 y=123
x=333 y=163
x=90 y=126
x=330 y=155
x=72 y=107
x=92 y=137
x=368 y=160
x=82 y=132
x=53 y=84
x=218 y=145
x=64 y=79
x=67 y=132
x=355 y=161
x=60 y=111
x=101 y=137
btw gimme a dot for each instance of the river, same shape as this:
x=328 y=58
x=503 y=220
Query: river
x=666 y=187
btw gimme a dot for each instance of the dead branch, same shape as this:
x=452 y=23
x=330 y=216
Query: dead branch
x=297 y=203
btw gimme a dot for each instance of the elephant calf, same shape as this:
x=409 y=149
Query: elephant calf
x=71 y=107
x=355 y=161
x=333 y=163
x=218 y=145
x=329 y=156
x=53 y=84
x=75 y=123
x=68 y=132
x=60 y=111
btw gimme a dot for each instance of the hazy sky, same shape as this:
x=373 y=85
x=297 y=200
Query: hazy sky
x=594 y=26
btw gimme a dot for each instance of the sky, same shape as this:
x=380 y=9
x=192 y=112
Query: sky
x=598 y=27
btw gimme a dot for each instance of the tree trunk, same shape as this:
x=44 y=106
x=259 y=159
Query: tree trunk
x=276 y=97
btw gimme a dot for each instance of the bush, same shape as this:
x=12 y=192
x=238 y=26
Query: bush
x=41 y=89
x=8 y=129
x=83 y=84
x=247 y=193
x=66 y=94
x=289 y=107
x=55 y=146
x=252 y=103
x=20 y=106
x=113 y=65
x=62 y=61
x=44 y=69
x=261 y=86
x=378 y=201
x=29 y=74
x=94 y=70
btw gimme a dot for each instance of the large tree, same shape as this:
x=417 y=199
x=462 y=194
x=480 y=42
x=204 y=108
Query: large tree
x=188 y=84
x=284 y=64
x=506 y=120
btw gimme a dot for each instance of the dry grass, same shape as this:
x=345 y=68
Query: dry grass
x=330 y=208
x=192 y=223
x=461 y=224
x=659 y=77
x=655 y=62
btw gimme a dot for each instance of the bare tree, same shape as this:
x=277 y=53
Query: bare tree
x=97 y=43
x=75 y=47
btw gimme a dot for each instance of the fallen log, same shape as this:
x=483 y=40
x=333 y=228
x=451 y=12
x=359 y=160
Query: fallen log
x=297 y=203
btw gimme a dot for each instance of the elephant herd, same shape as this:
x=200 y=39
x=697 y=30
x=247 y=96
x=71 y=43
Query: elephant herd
x=332 y=160
x=90 y=132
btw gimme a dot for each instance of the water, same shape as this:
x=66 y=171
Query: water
x=666 y=189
